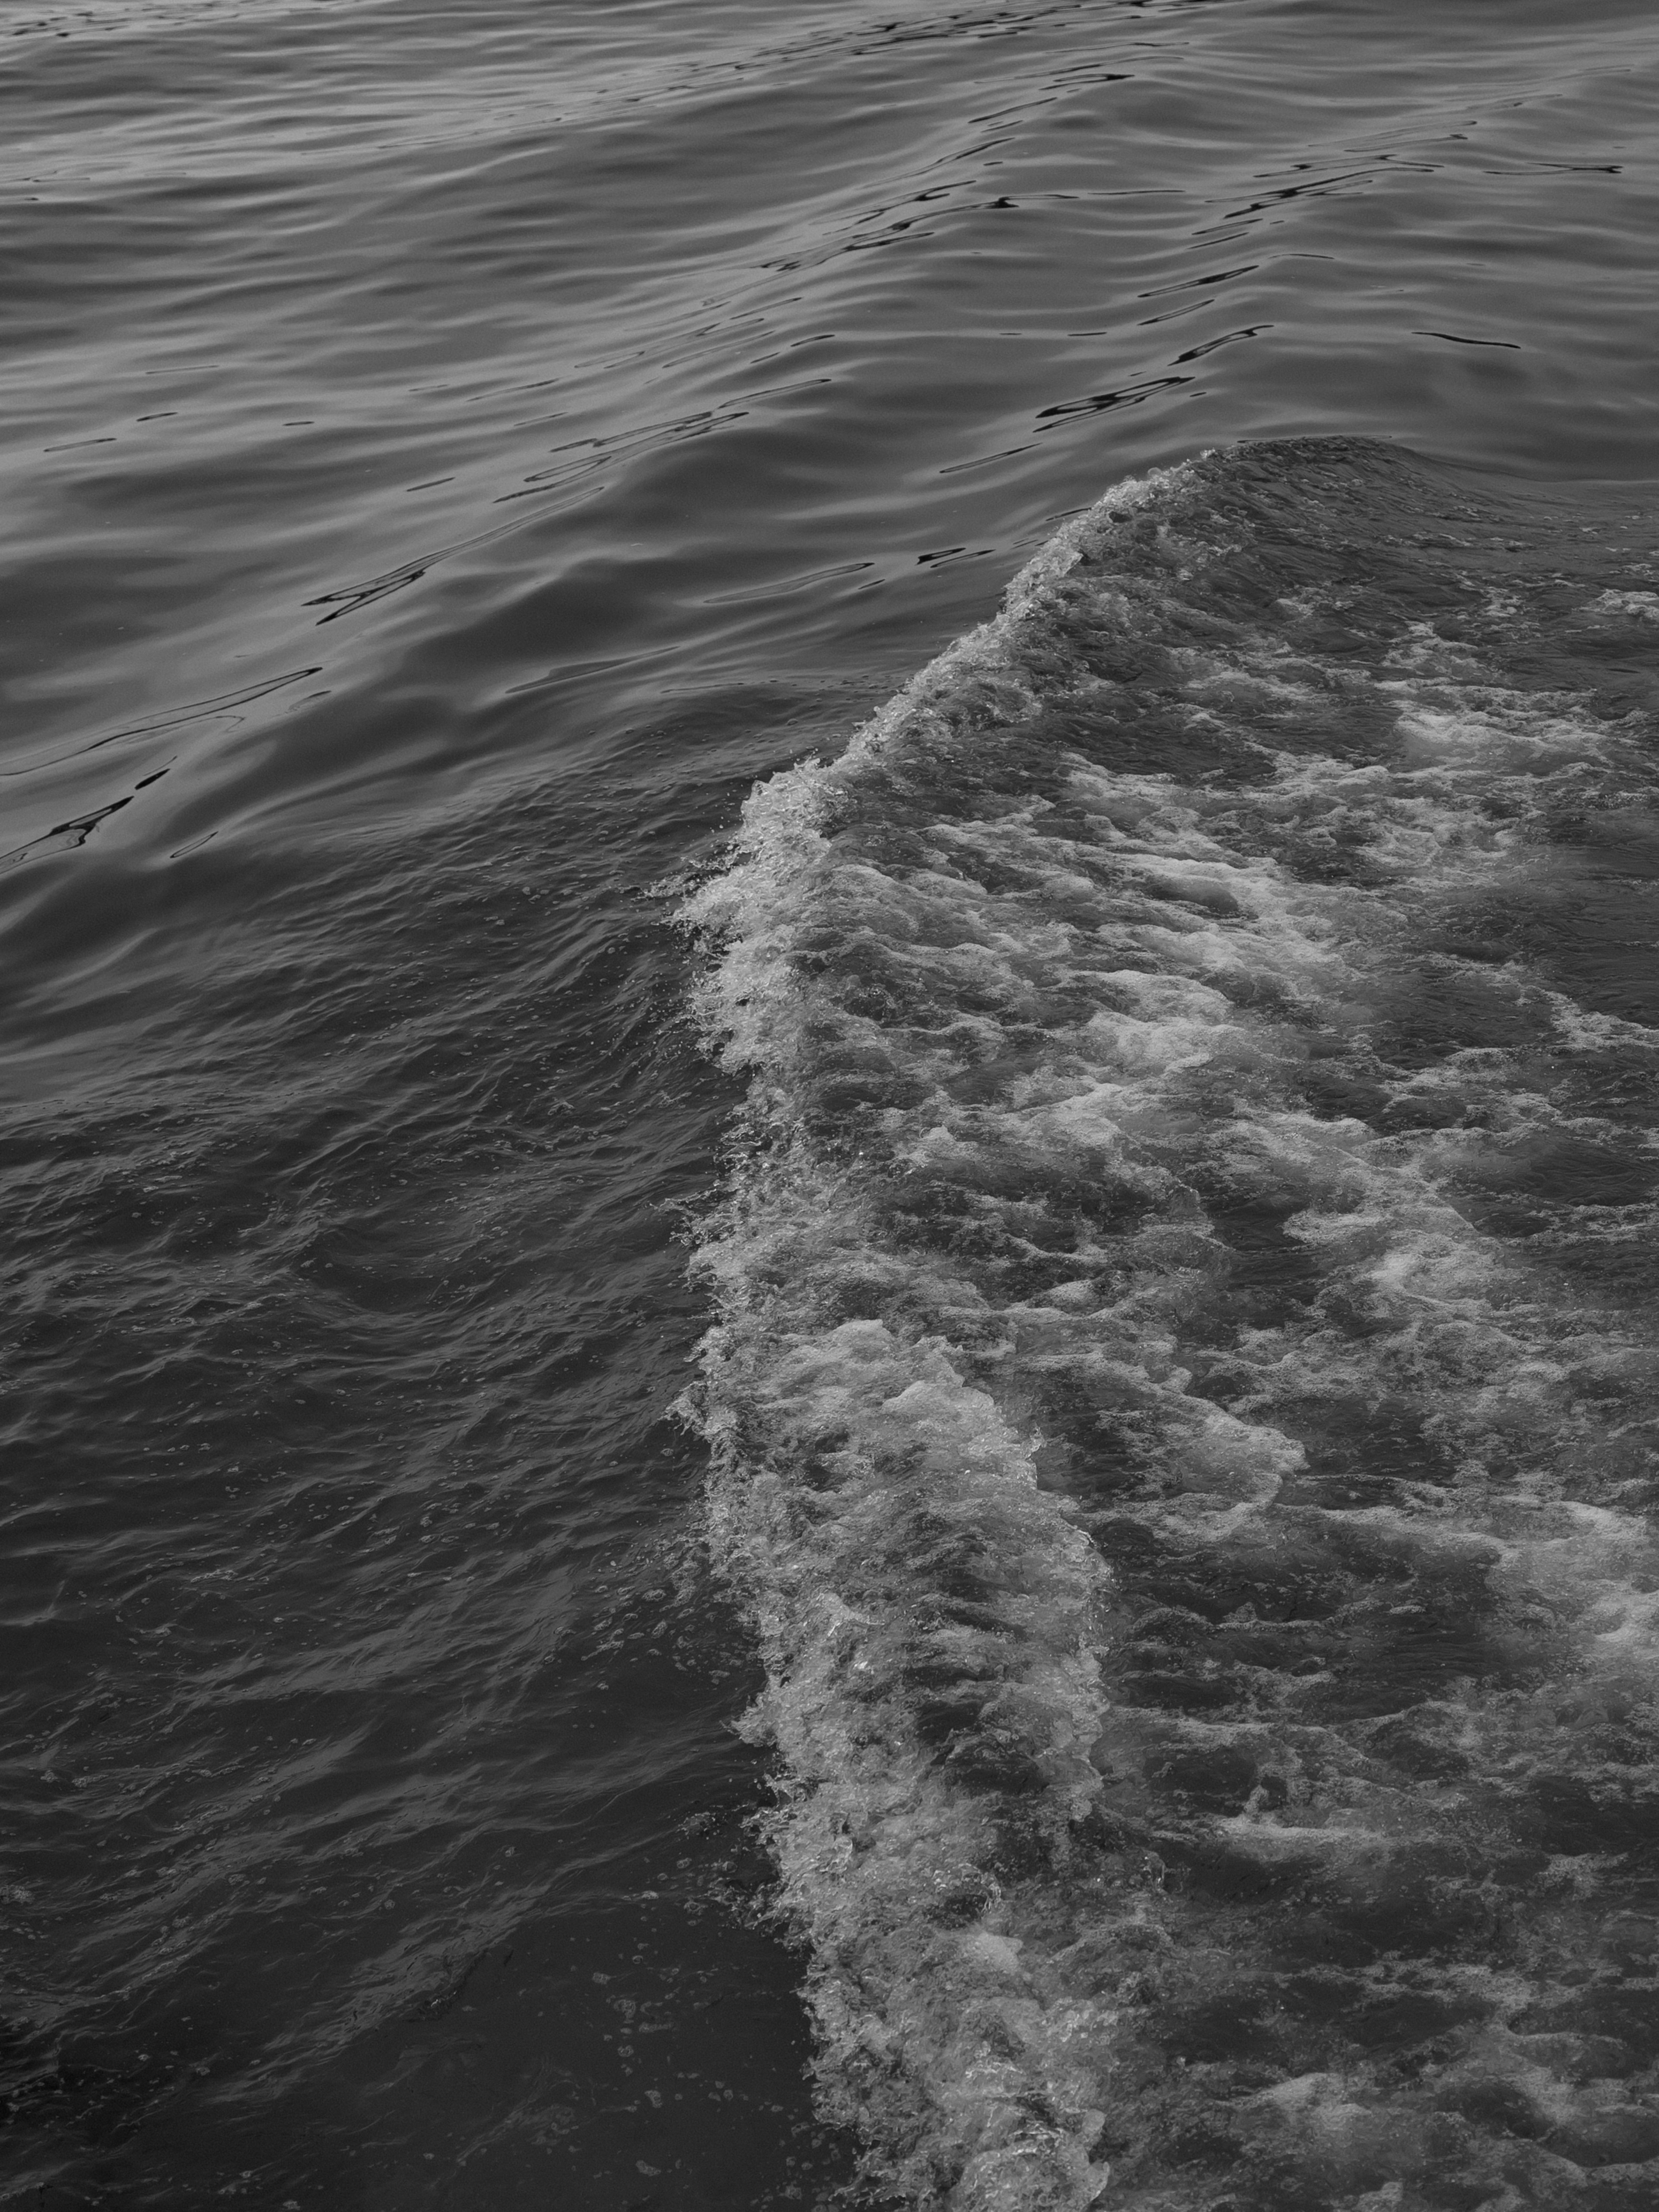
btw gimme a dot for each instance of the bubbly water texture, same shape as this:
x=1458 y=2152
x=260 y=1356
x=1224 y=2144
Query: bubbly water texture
x=1184 y=1396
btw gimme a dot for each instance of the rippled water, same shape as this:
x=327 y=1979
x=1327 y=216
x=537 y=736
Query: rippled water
x=1180 y=1400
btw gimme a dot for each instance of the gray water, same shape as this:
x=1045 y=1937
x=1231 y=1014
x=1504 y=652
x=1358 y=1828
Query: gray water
x=450 y=457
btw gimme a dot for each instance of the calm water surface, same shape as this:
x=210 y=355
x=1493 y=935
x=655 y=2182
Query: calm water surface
x=449 y=456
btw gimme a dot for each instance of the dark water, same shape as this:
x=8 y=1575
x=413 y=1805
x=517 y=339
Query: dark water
x=1182 y=1413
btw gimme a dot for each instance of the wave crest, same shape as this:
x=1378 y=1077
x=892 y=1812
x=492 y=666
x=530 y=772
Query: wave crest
x=1189 y=1488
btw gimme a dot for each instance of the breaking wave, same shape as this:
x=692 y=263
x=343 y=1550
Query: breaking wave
x=1183 y=1393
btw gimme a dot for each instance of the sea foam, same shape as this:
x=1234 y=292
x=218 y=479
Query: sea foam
x=1180 y=1448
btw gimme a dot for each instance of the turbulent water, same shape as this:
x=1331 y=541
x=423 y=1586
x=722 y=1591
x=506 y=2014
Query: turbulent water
x=1184 y=1405
x=1124 y=1674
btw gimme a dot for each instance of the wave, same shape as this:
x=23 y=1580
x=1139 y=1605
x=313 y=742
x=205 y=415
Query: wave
x=1182 y=1397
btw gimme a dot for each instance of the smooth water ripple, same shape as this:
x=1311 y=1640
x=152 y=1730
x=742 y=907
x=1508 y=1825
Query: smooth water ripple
x=450 y=456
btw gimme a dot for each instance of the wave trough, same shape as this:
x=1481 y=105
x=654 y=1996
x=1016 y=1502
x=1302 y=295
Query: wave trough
x=1182 y=1398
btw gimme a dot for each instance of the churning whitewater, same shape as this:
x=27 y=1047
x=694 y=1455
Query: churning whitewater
x=1182 y=1398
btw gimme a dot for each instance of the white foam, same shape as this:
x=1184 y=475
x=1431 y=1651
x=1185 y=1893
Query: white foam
x=1645 y=605
x=990 y=1305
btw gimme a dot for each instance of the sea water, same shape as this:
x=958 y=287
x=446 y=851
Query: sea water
x=828 y=913
x=1184 y=1396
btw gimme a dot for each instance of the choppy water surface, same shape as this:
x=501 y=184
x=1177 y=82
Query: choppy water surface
x=1185 y=1398
x=1164 y=1115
